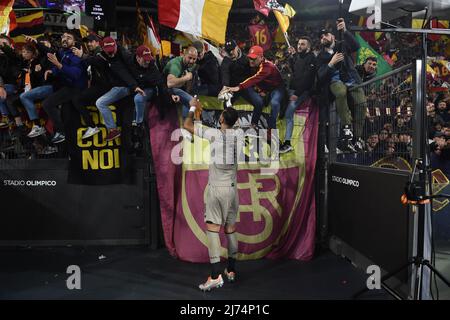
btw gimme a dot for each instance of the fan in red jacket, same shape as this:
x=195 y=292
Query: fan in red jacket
x=267 y=82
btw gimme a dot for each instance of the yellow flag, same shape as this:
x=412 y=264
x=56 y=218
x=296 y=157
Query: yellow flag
x=283 y=20
x=289 y=11
x=166 y=48
x=279 y=37
x=84 y=31
x=416 y=23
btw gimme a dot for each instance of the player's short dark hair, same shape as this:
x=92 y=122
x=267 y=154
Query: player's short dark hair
x=230 y=116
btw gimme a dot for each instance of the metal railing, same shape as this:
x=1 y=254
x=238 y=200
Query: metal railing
x=382 y=117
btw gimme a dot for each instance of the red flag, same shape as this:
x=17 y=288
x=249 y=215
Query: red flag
x=260 y=5
x=260 y=35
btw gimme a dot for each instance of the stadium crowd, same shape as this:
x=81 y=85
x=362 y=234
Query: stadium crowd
x=374 y=120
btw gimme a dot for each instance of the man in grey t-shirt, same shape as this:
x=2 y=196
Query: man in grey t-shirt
x=222 y=201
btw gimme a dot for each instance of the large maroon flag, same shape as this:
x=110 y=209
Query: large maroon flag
x=276 y=217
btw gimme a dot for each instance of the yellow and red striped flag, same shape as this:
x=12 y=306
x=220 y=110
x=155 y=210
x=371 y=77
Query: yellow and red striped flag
x=202 y=18
x=28 y=24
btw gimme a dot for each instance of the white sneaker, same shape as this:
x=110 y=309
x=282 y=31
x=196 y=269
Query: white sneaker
x=211 y=283
x=90 y=132
x=36 y=131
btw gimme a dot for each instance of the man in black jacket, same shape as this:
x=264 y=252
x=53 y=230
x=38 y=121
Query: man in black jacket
x=148 y=78
x=337 y=74
x=122 y=82
x=235 y=67
x=368 y=70
x=303 y=65
x=208 y=72
x=10 y=71
x=99 y=83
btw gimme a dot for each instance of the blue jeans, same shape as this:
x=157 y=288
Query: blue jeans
x=185 y=98
x=140 y=102
x=276 y=96
x=10 y=89
x=102 y=103
x=28 y=98
x=289 y=115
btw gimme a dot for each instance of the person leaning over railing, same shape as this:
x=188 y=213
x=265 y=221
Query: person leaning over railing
x=149 y=78
x=99 y=83
x=122 y=80
x=265 y=87
x=304 y=66
x=235 y=67
x=37 y=88
x=336 y=75
x=70 y=79
x=208 y=72
x=11 y=72
x=178 y=76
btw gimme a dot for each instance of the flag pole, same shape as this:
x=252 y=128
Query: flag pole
x=286 y=38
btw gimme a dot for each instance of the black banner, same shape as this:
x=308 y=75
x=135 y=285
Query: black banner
x=93 y=161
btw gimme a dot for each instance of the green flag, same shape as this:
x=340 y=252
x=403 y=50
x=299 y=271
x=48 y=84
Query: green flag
x=365 y=51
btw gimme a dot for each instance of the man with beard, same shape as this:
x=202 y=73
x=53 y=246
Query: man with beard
x=336 y=75
x=178 y=74
x=235 y=67
x=208 y=72
x=303 y=65
x=70 y=79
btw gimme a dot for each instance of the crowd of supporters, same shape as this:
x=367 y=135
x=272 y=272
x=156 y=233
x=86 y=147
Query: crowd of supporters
x=46 y=75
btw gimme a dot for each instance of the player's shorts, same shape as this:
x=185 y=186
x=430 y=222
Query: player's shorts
x=222 y=204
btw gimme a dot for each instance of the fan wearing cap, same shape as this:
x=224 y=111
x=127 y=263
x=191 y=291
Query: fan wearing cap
x=148 y=77
x=336 y=74
x=93 y=43
x=235 y=67
x=269 y=83
x=119 y=72
x=70 y=79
